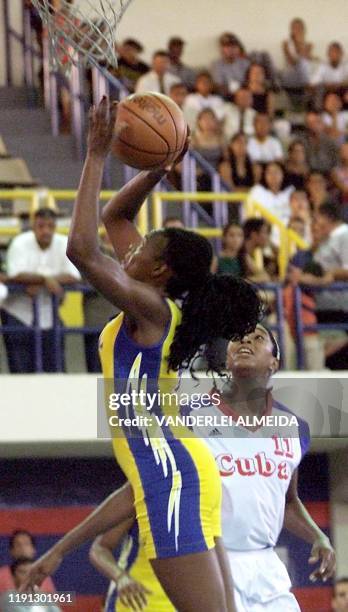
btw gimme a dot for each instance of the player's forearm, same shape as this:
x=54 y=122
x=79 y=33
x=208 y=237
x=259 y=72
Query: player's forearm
x=83 y=235
x=340 y=274
x=128 y=201
x=114 y=510
x=298 y=521
x=226 y=574
x=104 y=561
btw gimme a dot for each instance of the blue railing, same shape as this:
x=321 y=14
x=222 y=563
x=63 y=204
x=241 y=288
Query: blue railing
x=59 y=331
x=301 y=328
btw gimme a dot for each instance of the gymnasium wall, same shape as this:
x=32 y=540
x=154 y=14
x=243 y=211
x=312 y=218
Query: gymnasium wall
x=259 y=23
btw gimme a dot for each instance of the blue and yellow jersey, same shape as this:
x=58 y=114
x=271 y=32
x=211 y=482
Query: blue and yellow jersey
x=173 y=476
x=132 y=558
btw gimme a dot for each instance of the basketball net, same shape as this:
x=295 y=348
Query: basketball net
x=81 y=32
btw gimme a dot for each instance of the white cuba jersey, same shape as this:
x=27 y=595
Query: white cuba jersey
x=255 y=469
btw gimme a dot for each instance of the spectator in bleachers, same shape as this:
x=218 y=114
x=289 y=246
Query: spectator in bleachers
x=208 y=139
x=20 y=572
x=298 y=54
x=178 y=93
x=262 y=96
x=333 y=74
x=340 y=595
x=158 y=79
x=296 y=166
x=229 y=71
x=321 y=151
x=272 y=196
x=173 y=222
x=298 y=225
x=186 y=74
x=300 y=209
x=202 y=98
x=340 y=178
x=130 y=68
x=21 y=544
x=239 y=115
x=332 y=255
x=262 y=147
x=257 y=238
x=237 y=169
x=232 y=259
x=335 y=119
x=37 y=260
x=317 y=190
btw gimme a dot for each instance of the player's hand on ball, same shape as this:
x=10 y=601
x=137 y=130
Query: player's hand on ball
x=132 y=594
x=102 y=119
x=40 y=569
x=322 y=552
x=182 y=153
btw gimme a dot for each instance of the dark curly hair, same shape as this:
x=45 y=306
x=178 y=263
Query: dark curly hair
x=213 y=305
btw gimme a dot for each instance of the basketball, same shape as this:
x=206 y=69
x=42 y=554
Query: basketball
x=155 y=133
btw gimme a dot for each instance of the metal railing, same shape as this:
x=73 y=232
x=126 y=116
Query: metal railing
x=60 y=331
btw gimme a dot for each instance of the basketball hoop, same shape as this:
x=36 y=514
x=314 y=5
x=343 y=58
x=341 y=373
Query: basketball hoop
x=82 y=31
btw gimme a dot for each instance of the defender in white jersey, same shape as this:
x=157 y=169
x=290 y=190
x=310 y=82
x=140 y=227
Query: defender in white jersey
x=258 y=468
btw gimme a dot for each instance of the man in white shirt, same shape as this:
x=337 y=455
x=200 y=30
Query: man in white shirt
x=333 y=73
x=202 y=98
x=332 y=255
x=37 y=260
x=239 y=116
x=159 y=79
x=262 y=147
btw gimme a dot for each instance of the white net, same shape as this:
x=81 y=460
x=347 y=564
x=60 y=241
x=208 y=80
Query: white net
x=82 y=31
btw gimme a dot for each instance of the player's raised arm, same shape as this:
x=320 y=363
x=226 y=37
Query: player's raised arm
x=299 y=522
x=139 y=300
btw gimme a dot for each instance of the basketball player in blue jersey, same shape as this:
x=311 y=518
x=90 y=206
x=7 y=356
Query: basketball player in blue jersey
x=173 y=479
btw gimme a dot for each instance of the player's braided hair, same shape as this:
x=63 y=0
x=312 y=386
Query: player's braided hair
x=213 y=305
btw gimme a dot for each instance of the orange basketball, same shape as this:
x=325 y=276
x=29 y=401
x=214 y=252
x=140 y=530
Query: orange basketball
x=155 y=133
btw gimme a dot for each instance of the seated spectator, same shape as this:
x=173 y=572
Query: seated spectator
x=262 y=147
x=257 y=239
x=300 y=209
x=237 y=170
x=130 y=68
x=21 y=544
x=321 y=151
x=178 y=93
x=20 y=572
x=186 y=75
x=37 y=260
x=317 y=190
x=296 y=166
x=339 y=601
x=233 y=258
x=173 y=222
x=333 y=74
x=298 y=53
x=332 y=255
x=340 y=178
x=201 y=99
x=297 y=224
x=303 y=270
x=207 y=138
x=262 y=97
x=271 y=195
x=334 y=118
x=229 y=71
x=239 y=115
x=159 y=79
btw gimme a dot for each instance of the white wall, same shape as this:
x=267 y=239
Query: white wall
x=259 y=23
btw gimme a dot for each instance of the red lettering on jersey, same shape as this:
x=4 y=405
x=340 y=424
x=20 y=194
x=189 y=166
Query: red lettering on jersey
x=283 y=447
x=283 y=471
x=225 y=465
x=288 y=447
x=245 y=466
x=278 y=446
x=266 y=467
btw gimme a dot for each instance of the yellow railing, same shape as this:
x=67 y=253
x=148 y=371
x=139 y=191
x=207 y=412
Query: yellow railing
x=51 y=198
x=287 y=236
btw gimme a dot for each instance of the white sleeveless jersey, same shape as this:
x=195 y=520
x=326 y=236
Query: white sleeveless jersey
x=255 y=472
